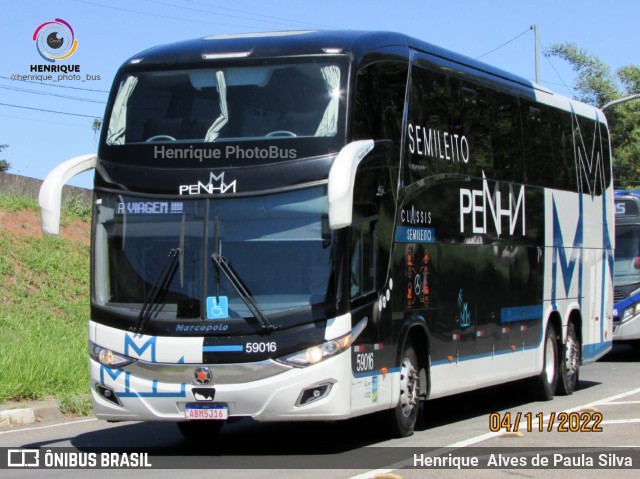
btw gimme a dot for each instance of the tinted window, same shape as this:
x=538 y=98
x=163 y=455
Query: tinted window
x=239 y=103
x=565 y=176
x=362 y=258
x=379 y=101
x=441 y=119
x=590 y=156
x=506 y=138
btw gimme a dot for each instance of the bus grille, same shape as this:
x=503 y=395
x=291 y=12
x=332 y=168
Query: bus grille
x=618 y=295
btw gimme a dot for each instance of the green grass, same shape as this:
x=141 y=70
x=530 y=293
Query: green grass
x=74 y=208
x=75 y=405
x=44 y=293
x=16 y=203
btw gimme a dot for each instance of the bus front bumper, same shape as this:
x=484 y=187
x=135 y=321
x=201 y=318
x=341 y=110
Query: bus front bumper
x=150 y=391
x=627 y=330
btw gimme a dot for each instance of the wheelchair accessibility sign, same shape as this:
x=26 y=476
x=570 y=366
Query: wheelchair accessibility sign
x=217 y=307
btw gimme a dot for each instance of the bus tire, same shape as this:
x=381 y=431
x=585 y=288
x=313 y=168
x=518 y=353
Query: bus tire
x=402 y=419
x=569 y=363
x=200 y=430
x=545 y=384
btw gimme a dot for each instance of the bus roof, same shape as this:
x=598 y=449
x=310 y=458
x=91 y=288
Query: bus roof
x=351 y=42
x=626 y=192
x=306 y=42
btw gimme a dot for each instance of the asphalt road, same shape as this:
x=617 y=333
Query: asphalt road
x=608 y=398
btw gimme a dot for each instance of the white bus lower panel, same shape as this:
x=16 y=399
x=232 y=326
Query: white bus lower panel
x=289 y=395
x=627 y=330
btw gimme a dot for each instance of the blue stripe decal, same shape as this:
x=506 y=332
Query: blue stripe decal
x=521 y=313
x=566 y=258
x=129 y=393
x=232 y=348
x=133 y=394
x=593 y=351
x=410 y=234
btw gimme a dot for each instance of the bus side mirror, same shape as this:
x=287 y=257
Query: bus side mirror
x=50 y=196
x=342 y=180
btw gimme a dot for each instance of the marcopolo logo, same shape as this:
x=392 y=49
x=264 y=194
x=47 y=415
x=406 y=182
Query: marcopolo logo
x=55 y=40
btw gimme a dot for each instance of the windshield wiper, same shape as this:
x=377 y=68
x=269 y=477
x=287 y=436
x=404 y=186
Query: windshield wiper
x=222 y=264
x=152 y=302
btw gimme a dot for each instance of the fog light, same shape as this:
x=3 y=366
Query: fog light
x=313 y=394
x=109 y=394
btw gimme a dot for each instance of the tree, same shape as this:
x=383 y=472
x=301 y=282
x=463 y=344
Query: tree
x=596 y=85
x=4 y=164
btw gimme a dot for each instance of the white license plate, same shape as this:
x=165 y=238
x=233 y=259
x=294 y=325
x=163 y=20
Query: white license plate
x=211 y=412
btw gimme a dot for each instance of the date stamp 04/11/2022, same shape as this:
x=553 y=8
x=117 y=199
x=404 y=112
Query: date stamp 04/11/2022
x=577 y=421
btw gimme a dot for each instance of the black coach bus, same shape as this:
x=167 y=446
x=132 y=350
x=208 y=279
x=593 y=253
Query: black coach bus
x=320 y=225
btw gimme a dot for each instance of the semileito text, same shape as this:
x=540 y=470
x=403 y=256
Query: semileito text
x=438 y=144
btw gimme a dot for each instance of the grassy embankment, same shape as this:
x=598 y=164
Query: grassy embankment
x=44 y=298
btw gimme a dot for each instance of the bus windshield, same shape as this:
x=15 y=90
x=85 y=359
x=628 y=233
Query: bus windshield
x=235 y=103
x=627 y=259
x=279 y=248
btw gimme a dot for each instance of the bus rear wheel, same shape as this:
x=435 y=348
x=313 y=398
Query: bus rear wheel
x=402 y=419
x=569 y=363
x=200 y=430
x=545 y=384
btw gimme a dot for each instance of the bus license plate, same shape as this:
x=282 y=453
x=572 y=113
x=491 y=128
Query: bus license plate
x=211 y=412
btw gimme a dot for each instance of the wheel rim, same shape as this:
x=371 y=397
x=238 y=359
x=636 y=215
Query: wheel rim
x=571 y=355
x=549 y=361
x=409 y=387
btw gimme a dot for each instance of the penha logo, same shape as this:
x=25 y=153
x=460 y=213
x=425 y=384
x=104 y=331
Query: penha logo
x=200 y=188
x=55 y=40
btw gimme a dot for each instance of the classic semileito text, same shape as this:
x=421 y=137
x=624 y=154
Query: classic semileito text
x=438 y=144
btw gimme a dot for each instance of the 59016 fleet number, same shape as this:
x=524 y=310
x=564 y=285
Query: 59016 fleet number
x=364 y=362
x=261 y=347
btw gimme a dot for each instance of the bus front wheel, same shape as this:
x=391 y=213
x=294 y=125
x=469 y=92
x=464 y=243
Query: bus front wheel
x=403 y=418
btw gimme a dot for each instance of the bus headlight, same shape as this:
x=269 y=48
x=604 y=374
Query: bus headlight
x=315 y=354
x=630 y=312
x=108 y=358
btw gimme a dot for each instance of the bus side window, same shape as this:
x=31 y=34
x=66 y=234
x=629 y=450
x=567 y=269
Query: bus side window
x=379 y=101
x=506 y=146
x=539 y=146
x=590 y=155
x=363 y=271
